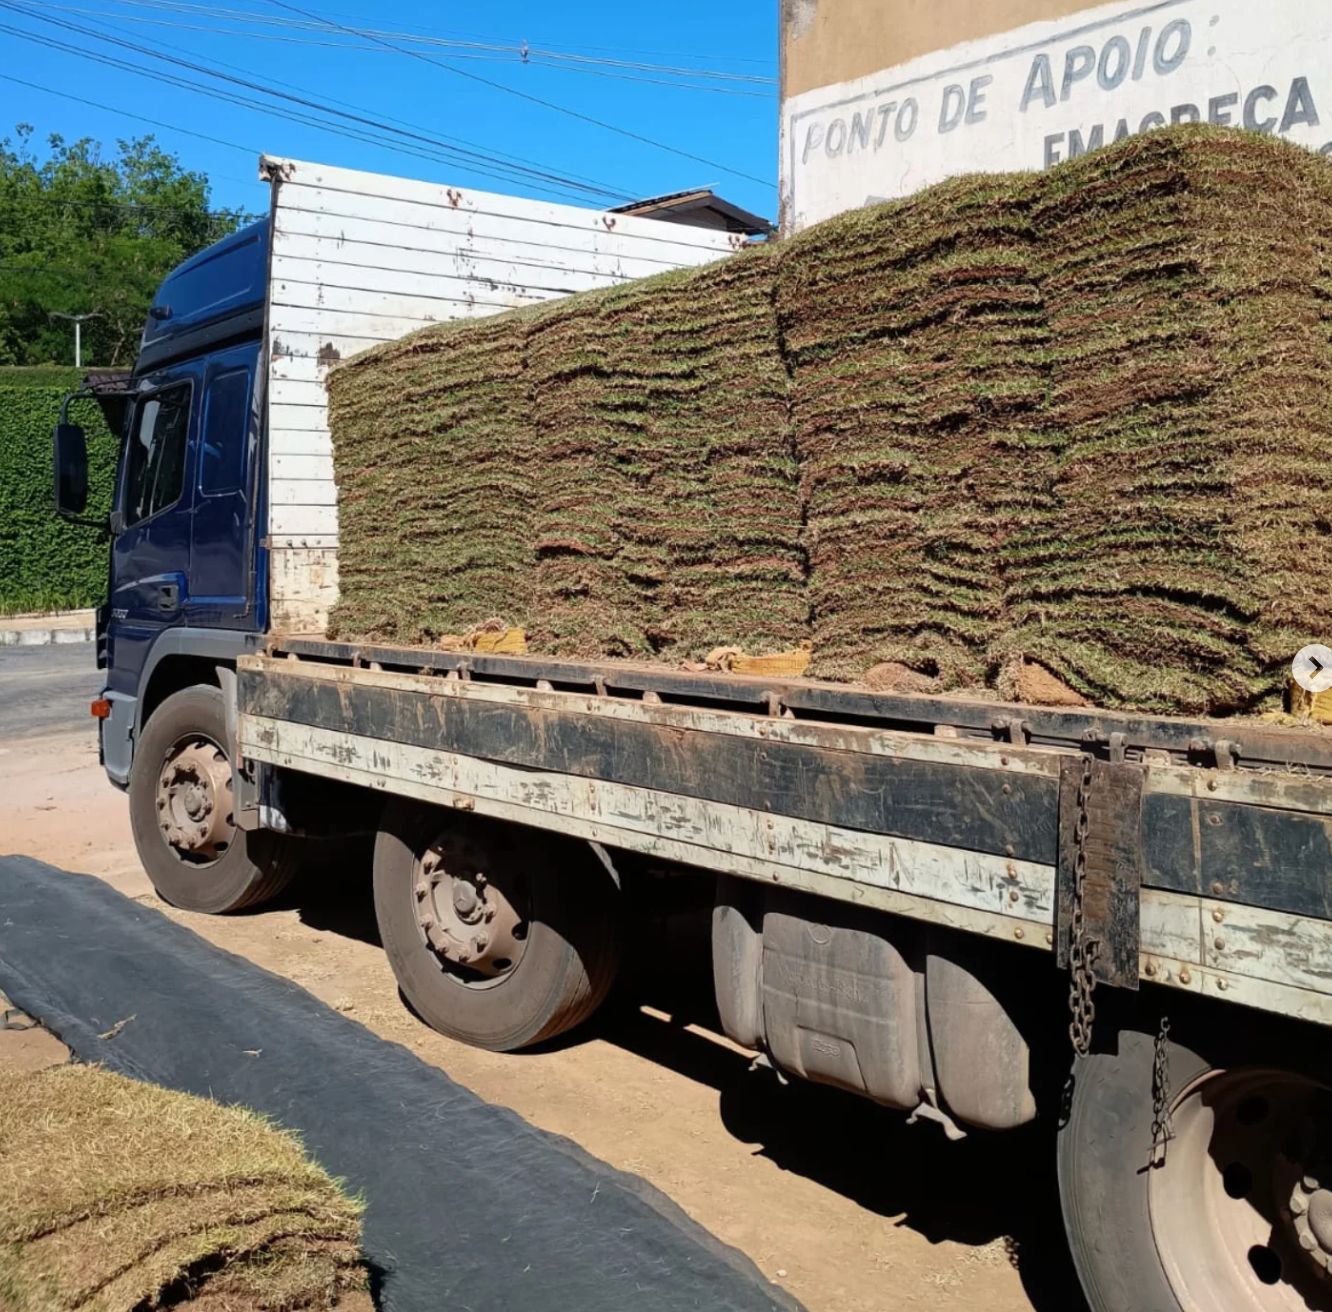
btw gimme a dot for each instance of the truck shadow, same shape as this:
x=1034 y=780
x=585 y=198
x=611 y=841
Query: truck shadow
x=987 y=1188
x=333 y=891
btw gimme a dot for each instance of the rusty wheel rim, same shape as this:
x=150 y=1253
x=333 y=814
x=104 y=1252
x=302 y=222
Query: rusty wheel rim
x=1241 y=1208
x=474 y=919
x=195 y=810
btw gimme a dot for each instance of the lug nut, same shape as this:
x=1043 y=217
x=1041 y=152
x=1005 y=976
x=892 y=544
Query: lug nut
x=481 y=942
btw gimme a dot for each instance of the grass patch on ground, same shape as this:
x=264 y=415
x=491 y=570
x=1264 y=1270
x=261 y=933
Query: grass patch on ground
x=118 y=1196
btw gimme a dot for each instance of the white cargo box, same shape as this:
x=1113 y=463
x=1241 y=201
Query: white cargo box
x=363 y=258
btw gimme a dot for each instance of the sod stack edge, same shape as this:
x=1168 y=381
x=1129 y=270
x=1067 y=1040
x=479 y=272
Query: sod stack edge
x=1073 y=420
x=1184 y=275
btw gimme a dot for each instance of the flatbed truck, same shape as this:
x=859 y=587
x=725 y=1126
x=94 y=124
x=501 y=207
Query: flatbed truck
x=979 y=913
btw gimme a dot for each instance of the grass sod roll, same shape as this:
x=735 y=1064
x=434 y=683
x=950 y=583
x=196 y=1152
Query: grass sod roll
x=115 y=1195
x=1075 y=419
x=714 y=522
x=585 y=414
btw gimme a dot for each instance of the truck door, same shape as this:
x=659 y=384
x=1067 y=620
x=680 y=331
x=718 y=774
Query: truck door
x=151 y=555
x=222 y=533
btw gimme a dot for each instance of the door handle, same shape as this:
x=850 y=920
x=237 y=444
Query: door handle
x=168 y=597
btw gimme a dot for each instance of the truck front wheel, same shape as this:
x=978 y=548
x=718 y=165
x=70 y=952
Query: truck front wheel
x=1228 y=1206
x=498 y=935
x=180 y=799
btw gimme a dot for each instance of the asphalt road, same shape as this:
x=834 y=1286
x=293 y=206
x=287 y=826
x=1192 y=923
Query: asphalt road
x=46 y=690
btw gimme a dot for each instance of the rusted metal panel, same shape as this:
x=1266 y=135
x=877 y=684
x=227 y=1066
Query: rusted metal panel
x=1001 y=813
x=1261 y=856
x=1111 y=859
x=1258 y=751
x=756 y=723
x=998 y=896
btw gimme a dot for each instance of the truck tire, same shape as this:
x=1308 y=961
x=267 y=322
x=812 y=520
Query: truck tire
x=499 y=936
x=1220 y=1218
x=180 y=811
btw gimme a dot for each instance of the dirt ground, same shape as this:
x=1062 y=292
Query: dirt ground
x=836 y=1200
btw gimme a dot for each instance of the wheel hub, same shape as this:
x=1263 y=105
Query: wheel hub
x=1241 y=1220
x=1311 y=1208
x=465 y=917
x=194 y=800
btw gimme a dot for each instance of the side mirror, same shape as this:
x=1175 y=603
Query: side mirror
x=70 y=451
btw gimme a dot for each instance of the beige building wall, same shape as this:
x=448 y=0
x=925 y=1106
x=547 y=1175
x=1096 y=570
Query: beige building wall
x=828 y=41
x=881 y=98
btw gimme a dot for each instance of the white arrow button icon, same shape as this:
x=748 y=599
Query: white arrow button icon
x=1312 y=667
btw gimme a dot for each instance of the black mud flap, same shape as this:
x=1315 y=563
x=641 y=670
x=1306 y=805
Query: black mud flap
x=1111 y=898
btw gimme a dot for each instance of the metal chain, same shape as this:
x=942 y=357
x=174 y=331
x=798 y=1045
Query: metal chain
x=1081 y=952
x=1163 y=1129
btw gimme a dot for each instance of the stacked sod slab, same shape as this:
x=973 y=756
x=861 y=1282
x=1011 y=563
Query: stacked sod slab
x=1074 y=422
x=667 y=506
x=917 y=343
x=117 y=1196
x=433 y=447
x=1185 y=278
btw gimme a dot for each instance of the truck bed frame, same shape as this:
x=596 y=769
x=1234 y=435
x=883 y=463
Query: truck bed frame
x=945 y=810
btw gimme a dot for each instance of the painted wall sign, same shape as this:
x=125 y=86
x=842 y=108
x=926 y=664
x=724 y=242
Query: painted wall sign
x=1051 y=91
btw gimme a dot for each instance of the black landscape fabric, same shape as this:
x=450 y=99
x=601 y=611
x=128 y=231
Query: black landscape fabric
x=1075 y=421
x=467 y=1205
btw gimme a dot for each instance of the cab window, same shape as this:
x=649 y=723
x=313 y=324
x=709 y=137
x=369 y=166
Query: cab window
x=226 y=432
x=155 y=461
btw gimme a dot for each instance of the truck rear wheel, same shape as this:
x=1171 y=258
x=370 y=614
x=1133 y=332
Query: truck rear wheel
x=498 y=935
x=1235 y=1213
x=180 y=799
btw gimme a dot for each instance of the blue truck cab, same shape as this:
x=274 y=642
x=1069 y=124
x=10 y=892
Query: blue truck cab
x=186 y=587
x=187 y=583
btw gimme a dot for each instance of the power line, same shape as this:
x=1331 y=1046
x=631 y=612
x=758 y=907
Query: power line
x=124 y=113
x=536 y=100
x=519 y=55
x=361 y=120
x=606 y=189
x=359 y=127
x=420 y=36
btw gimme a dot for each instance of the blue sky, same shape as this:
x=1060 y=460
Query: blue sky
x=691 y=74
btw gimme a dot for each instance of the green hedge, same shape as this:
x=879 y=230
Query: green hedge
x=46 y=563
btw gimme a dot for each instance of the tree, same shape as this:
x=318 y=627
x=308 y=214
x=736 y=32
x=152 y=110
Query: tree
x=80 y=232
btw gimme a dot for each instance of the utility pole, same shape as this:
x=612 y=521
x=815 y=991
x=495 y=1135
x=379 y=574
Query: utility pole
x=77 y=321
